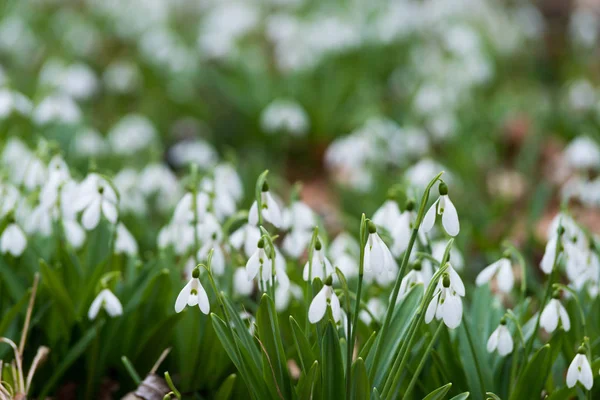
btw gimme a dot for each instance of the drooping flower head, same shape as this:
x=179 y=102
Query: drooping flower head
x=325 y=297
x=553 y=313
x=443 y=206
x=321 y=266
x=500 y=340
x=502 y=270
x=270 y=210
x=377 y=255
x=580 y=371
x=193 y=294
x=107 y=300
x=447 y=305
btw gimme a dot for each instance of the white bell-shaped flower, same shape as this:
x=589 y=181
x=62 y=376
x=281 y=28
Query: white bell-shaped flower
x=270 y=209
x=96 y=197
x=580 y=371
x=245 y=237
x=298 y=217
x=321 y=266
x=259 y=262
x=193 y=294
x=217 y=264
x=184 y=211
x=552 y=314
x=125 y=242
x=401 y=232
x=502 y=270
x=241 y=285
x=387 y=215
x=296 y=242
x=13 y=240
x=74 y=233
x=500 y=340
x=378 y=257
x=227 y=180
x=442 y=206
x=318 y=306
x=446 y=304
x=549 y=255
x=35 y=173
x=107 y=300
x=414 y=277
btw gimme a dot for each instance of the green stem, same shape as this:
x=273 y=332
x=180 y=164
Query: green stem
x=413 y=381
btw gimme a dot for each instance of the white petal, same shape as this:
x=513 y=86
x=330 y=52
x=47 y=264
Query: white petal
x=549 y=317
x=91 y=215
x=564 y=317
x=549 y=254
x=318 y=306
x=377 y=259
x=241 y=284
x=112 y=305
x=505 y=277
x=253 y=265
x=336 y=310
x=110 y=211
x=183 y=296
x=203 y=299
x=74 y=233
x=253 y=214
x=573 y=371
x=456 y=281
x=13 y=240
x=585 y=376
x=274 y=212
x=452 y=311
x=450 y=218
x=505 y=342
x=95 y=307
x=487 y=273
x=431 y=308
x=492 y=342
x=429 y=219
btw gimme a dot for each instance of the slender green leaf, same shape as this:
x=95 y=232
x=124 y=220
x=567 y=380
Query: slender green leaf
x=224 y=392
x=307 y=382
x=360 y=389
x=333 y=367
x=439 y=393
x=461 y=396
x=531 y=380
x=305 y=352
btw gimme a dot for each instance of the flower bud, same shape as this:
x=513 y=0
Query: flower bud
x=261 y=243
x=560 y=230
x=410 y=204
x=196 y=273
x=371 y=227
x=329 y=280
x=503 y=321
x=318 y=245
x=265 y=186
x=446 y=280
x=581 y=350
x=443 y=189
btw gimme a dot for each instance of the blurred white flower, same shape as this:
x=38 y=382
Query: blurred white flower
x=131 y=197
x=581 y=96
x=89 y=143
x=107 y=300
x=133 y=133
x=500 y=340
x=96 y=197
x=241 y=284
x=13 y=240
x=125 y=242
x=319 y=267
x=318 y=306
x=580 y=371
x=270 y=210
x=192 y=152
x=245 y=237
x=552 y=314
x=285 y=116
x=583 y=153
x=387 y=215
x=122 y=76
x=502 y=270
x=13 y=102
x=57 y=108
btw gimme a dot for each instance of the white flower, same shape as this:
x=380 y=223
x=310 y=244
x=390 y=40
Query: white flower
x=377 y=255
x=217 y=264
x=412 y=278
x=500 y=340
x=446 y=304
x=580 y=371
x=318 y=306
x=387 y=215
x=442 y=206
x=35 y=174
x=270 y=210
x=246 y=236
x=298 y=217
x=547 y=262
x=131 y=134
x=193 y=294
x=96 y=196
x=552 y=314
x=241 y=284
x=259 y=262
x=583 y=153
x=13 y=240
x=184 y=211
x=502 y=269
x=227 y=180
x=107 y=300
x=74 y=233
x=321 y=266
x=376 y=309
x=296 y=241
x=285 y=116
x=401 y=231
x=125 y=242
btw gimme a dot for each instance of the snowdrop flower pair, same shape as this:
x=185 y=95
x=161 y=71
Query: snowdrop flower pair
x=446 y=304
x=377 y=255
x=321 y=266
x=500 y=340
x=107 y=300
x=13 y=240
x=414 y=277
x=270 y=210
x=502 y=270
x=442 y=206
x=96 y=197
x=325 y=297
x=193 y=294
x=553 y=313
x=580 y=371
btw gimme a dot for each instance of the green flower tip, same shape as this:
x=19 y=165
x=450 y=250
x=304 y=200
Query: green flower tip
x=506 y=254
x=318 y=245
x=446 y=280
x=560 y=230
x=443 y=188
x=371 y=226
x=556 y=294
x=503 y=321
x=265 y=186
x=261 y=243
x=329 y=280
x=581 y=350
x=417 y=265
x=410 y=204
x=196 y=273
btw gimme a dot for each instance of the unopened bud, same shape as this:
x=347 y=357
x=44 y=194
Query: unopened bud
x=443 y=189
x=410 y=204
x=318 y=245
x=261 y=243
x=329 y=280
x=446 y=280
x=196 y=273
x=371 y=227
x=265 y=186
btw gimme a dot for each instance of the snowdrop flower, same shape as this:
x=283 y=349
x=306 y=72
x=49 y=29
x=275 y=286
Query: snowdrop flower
x=259 y=262
x=321 y=266
x=74 y=233
x=296 y=241
x=583 y=153
x=580 y=371
x=325 y=297
x=500 y=340
x=438 y=248
x=35 y=174
x=502 y=270
x=227 y=180
x=96 y=197
x=283 y=296
x=270 y=209
x=13 y=240
x=412 y=278
x=107 y=300
x=184 y=211
x=442 y=206
x=377 y=255
x=344 y=252
x=376 y=309
x=553 y=313
x=299 y=216
x=245 y=237
x=131 y=134
x=554 y=244
x=193 y=294
x=125 y=242
x=58 y=108
x=89 y=143
x=446 y=305
x=218 y=258
x=402 y=227
x=387 y=215
x=241 y=284
x=285 y=116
